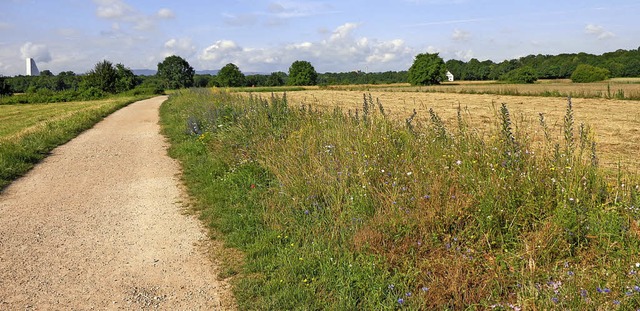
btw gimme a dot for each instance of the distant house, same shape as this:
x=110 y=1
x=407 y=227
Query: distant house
x=449 y=76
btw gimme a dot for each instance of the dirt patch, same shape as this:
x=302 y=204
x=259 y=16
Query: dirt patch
x=99 y=225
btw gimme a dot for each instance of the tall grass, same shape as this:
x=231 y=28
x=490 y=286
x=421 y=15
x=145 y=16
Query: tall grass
x=350 y=210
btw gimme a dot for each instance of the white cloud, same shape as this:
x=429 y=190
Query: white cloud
x=39 y=52
x=460 y=35
x=113 y=9
x=220 y=51
x=166 y=13
x=340 y=49
x=598 y=31
x=121 y=13
x=182 y=46
x=464 y=55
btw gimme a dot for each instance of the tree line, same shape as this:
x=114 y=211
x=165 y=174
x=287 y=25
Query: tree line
x=175 y=72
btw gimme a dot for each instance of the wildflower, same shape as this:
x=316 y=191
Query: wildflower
x=570 y=273
x=636 y=288
x=409 y=173
x=554 y=299
x=425 y=289
x=408 y=294
x=603 y=290
x=427 y=197
x=583 y=293
x=390 y=286
x=400 y=300
x=616 y=302
x=306 y=212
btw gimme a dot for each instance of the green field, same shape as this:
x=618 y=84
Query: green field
x=28 y=132
x=341 y=210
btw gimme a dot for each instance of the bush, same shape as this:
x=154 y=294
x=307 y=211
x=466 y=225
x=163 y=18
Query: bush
x=522 y=75
x=587 y=73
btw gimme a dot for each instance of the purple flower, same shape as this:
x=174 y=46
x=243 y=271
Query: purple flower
x=603 y=290
x=306 y=212
x=616 y=302
x=400 y=300
x=408 y=294
x=583 y=293
x=425 y=289
x=636 y=288
x=554 y=299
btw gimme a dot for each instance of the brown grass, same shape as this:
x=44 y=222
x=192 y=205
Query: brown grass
x=615 y=123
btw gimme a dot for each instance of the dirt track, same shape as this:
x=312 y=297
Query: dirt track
x=99 y=225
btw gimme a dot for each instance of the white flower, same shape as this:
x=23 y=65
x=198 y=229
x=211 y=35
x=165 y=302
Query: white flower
x=409 y=173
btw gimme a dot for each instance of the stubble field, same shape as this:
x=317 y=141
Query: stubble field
x=615 y=123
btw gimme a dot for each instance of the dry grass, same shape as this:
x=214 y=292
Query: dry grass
x=616 y=123
x=621 y=88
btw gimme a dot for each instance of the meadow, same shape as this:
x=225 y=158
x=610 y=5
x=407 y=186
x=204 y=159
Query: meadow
x=28 y=132
x=371 y=206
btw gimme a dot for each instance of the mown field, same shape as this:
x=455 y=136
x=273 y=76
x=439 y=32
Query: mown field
x=618 y=88
x=453 y=209
x=28 y=132
x=615 y=123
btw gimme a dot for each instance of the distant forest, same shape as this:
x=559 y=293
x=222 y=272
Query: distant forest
x=621 y=63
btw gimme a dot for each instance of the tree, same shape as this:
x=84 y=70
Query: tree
x=175 y=72
x=586 y=73
x=103 y=77
x=522 y=75
x=302 y=73
x=230 y=75
x=125 y=79
x=427 y=69
x=46 y=73
x=5 y=89
x=276 y=79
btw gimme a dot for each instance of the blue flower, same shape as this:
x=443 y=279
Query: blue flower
x=425 y=289
x=408 y=294
x=554 y=299
x=400 y=300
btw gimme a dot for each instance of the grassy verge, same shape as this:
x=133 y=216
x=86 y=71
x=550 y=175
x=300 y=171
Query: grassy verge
x=357 y=212
x=28 y=132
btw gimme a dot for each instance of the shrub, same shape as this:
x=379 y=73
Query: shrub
x=587 y=73
x=522 y=75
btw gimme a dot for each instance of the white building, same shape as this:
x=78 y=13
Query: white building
x=449 y=76
x=32 y=69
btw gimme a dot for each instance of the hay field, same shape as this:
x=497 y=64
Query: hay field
x=619 y=88
x=616 y=123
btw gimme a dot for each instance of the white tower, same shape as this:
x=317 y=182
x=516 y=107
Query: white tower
x=32 y=69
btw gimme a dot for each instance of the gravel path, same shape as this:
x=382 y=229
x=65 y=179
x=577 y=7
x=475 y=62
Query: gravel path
x=99 y=224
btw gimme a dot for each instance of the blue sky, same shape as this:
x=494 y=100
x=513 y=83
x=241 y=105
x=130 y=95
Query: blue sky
x=335 y=36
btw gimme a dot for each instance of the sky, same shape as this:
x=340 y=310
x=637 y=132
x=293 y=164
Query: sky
x=334 y=36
